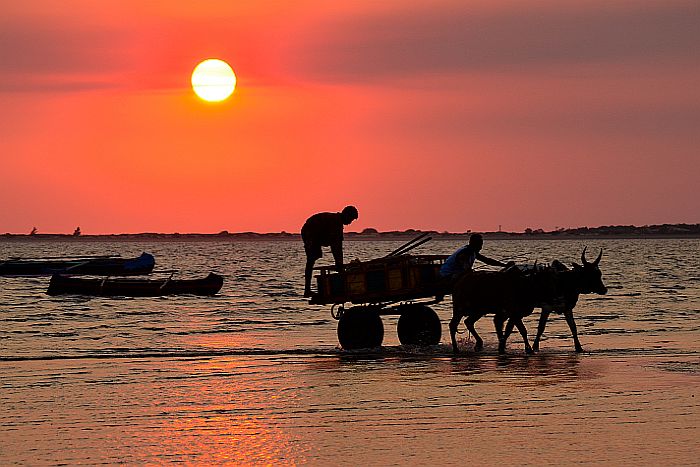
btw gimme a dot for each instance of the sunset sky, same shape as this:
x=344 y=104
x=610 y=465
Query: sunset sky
x=445 y=115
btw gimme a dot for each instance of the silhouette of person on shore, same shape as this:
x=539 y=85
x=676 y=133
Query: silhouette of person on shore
x=324 y=229
x=463 y=259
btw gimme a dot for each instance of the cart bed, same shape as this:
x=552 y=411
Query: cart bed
x=391 y=279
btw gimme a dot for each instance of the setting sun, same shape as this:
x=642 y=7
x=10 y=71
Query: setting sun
x=213 y=80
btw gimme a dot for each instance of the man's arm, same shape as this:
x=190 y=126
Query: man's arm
x=489 y=261
x=337 y=250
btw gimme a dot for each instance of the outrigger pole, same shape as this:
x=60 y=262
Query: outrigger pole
x=410 y=245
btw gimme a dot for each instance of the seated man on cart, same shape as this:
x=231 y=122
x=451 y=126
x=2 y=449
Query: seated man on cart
x=463 y=259
x=324 y=229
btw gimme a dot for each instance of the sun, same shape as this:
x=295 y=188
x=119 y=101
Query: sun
x=213 y=80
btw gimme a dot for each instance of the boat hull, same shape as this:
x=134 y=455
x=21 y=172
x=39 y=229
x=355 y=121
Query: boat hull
x=96 y=266
x=61 y=285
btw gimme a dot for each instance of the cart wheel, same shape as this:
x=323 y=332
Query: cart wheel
x=419 y=325
x=360 y=327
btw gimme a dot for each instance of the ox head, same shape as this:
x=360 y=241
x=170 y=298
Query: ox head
x=591 y=277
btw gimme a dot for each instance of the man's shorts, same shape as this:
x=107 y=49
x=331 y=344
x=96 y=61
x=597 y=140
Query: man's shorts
x=313 y=250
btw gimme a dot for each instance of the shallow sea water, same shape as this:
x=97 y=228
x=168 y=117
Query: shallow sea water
x=254 y=375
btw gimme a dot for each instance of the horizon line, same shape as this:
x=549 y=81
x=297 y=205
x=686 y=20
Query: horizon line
x=369 y=231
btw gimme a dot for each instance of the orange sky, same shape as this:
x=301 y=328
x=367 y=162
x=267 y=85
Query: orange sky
x=447 y=115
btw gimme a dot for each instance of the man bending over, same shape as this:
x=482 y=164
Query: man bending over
x=324 y=229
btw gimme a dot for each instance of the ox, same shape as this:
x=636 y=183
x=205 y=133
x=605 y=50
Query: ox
x=568 y=285
x=509 y=294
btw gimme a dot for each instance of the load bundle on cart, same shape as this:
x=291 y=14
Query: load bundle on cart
x=397 y=284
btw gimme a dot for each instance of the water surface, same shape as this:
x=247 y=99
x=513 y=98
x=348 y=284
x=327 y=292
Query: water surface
x=255 y=375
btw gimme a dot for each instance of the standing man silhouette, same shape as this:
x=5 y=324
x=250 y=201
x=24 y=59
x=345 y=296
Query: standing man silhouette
x=324 y=229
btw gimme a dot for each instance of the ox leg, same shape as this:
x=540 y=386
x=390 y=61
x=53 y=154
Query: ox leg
x=454 y=324
x=544 y=316
x=569 y=315
x=508 y=330
x=498 y=321
x=470 y=325
x=523 y=332
x=506 y=333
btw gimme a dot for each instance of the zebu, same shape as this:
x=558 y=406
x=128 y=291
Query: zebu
x=509 y=294
x=568 y=285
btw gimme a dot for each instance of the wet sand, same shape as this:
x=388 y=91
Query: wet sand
x=387 y=408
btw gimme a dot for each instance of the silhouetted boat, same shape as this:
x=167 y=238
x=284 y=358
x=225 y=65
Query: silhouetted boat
x=92 y=265
x=61 y=284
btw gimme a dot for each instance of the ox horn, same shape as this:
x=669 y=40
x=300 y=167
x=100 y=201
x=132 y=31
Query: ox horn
x=583 y=256
x=597 y=260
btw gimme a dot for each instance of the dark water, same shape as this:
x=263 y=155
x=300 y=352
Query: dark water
x=254 y=375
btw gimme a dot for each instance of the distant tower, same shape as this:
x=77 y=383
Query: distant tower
x=76 y=232
x=33 y=232
x=499 y=227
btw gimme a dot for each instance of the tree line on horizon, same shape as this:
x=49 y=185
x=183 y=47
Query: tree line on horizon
x=607 y=230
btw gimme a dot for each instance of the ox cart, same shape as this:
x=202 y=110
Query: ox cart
x=397 y=284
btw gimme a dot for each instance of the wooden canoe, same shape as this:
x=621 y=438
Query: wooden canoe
x=131 y=287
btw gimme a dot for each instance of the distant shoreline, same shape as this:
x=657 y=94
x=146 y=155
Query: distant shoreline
x=667 y=231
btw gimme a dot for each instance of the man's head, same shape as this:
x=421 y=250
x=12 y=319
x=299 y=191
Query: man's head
x=349 y=214
x=476 y=241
